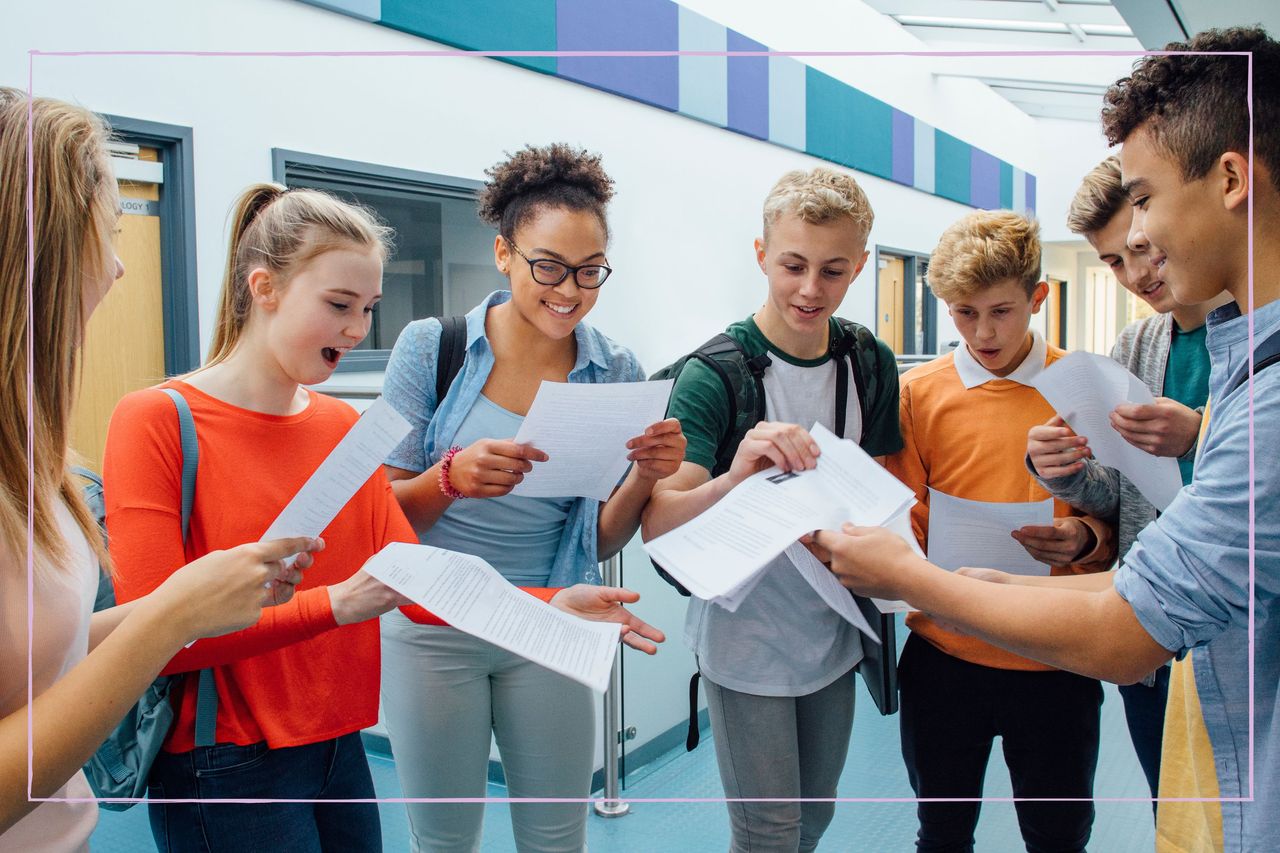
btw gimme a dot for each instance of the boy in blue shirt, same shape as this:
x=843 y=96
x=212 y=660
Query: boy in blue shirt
x=1205 y=575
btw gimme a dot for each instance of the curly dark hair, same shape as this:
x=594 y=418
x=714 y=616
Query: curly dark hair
x=1195 y=104
x=534 y=178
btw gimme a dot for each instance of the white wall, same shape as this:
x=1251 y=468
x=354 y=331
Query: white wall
x=689 y=194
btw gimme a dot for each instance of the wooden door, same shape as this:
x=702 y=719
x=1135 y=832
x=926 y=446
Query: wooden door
x=890 y=303
x=124 y=344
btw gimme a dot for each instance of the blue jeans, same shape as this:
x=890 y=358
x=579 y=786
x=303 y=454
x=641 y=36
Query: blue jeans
x=329 y=770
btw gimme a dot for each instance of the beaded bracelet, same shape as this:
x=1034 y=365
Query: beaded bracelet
x=445 y=464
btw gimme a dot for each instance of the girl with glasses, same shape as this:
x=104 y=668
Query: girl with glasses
x=445 y=693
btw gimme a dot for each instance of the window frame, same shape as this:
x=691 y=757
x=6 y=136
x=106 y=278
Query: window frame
x=356 y=175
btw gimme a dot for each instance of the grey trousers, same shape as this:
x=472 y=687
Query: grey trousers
x=443 y=693
x=783 y=747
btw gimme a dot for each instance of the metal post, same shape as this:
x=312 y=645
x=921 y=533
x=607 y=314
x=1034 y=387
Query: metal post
x=610 y=805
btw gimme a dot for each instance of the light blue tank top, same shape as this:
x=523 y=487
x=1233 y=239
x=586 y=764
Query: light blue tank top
x=518 y=536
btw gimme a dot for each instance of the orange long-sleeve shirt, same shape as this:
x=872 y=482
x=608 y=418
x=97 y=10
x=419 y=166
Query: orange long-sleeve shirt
x=971 y=443
x=295 y=677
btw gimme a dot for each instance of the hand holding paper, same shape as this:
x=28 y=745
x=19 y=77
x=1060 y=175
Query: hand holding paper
x=1085 y=388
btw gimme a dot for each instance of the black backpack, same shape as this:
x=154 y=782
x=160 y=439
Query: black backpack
x=743 y=378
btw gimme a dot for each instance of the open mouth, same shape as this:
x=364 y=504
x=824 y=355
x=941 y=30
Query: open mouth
x=1153 y=288
x=988 y=353
x=560 y=309
x=807 y=310
x=332 y=355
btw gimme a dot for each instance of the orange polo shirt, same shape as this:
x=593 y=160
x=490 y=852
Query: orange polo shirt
x=971 y=443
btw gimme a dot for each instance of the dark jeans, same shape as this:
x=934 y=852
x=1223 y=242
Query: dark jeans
x=952 y=711
x=329 y=770
x=1144 y=712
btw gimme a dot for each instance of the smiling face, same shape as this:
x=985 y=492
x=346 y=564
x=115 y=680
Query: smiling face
x=1132 y=267
x=994 y=322
x=322 y=313
x=1195 y=243
x=810 y=268
x=572 y=237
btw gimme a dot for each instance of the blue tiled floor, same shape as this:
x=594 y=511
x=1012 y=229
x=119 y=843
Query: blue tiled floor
x=874 y=769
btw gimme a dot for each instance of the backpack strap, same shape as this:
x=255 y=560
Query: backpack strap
x=453 y=351
x=207 y=690
x=860 y=342
x=1266 y=354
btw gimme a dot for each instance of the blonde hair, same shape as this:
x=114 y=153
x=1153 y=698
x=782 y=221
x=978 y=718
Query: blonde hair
x=1098 y=199
x=982 y=249
x=73 y=210
x=280 y=230
x=819 y=196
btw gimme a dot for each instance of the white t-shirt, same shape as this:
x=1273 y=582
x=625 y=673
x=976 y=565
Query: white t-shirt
x=62 y=604
x=783 y=640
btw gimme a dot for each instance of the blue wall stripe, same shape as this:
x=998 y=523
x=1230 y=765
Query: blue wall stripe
x=365 y=10
x=1006 y=186
x=622 y=25
x=748 y=88
x=704 y=80
x=847 y=126
x=904 y=143
x=787 y=102
x=984 y=179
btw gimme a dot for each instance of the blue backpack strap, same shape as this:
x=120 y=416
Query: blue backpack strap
x=207 y=692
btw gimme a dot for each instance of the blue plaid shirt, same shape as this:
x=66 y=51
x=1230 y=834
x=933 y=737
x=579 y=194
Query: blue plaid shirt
x=1187 y=580
x=410 y=386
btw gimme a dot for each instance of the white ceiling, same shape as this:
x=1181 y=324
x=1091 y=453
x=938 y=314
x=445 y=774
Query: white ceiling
x=1049 y=87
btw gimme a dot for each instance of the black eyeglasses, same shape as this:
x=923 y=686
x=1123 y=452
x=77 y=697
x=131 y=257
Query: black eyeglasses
x=549 y=272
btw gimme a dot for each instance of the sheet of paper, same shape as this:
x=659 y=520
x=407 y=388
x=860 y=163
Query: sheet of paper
x=733 y=599
x=583 y=428
x=828 y=588
x=348 y=467
x=1084 y=387
x=976 y=533
x=720 y=550
x=472 y=596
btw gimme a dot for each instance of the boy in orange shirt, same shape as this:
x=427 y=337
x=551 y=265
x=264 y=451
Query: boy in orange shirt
x=964 y=417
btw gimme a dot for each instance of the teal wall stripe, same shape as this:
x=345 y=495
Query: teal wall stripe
x=951 y=167
x=704 y=80
x=492 y=25
x=1006 y=185
x=806 y=110
x=788 y=108
x=847 y=126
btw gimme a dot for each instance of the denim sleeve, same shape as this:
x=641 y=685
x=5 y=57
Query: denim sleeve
x=1187 y=575
x=410 y=387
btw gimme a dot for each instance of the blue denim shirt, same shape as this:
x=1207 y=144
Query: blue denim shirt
x=410 y=386
x=1187 y=580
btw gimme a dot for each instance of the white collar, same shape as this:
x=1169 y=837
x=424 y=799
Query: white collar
x=973 y=374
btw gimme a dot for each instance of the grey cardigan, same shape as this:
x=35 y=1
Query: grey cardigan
x=1143 y=348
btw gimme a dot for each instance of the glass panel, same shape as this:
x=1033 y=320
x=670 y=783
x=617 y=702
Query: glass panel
x=441 y=261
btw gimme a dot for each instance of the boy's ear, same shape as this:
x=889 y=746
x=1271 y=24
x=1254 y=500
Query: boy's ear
x=1233 y=175
x=261 y=288
x=759 y=246
x=862 y=262
x=1038 y=296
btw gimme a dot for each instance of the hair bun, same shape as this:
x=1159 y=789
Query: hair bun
x=548 y=173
